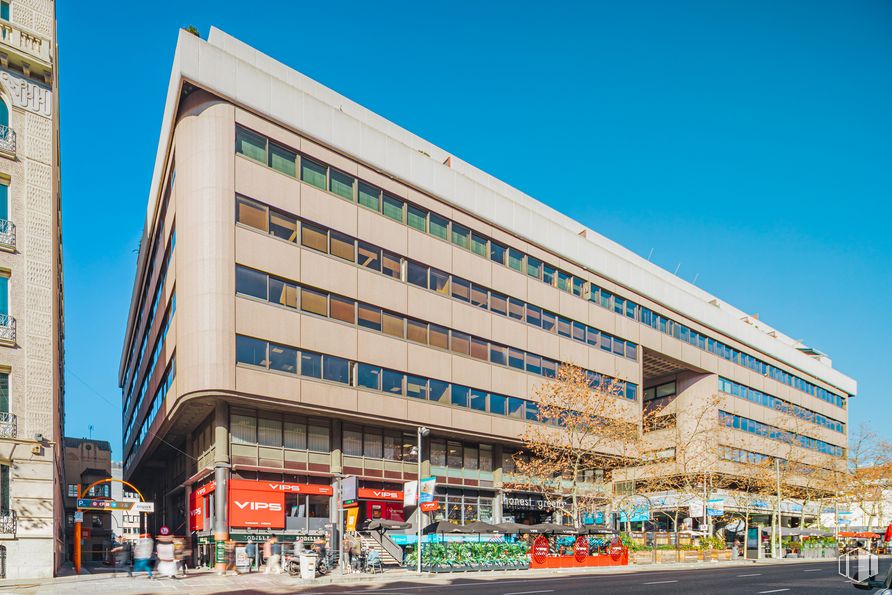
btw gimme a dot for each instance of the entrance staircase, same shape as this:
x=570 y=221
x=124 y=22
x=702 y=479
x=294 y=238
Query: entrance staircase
x=370 y=543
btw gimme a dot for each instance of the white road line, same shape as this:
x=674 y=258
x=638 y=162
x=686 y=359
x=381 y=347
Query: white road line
x=528 y=592
x=814 y=570
x=773 y=591
x=754 y=574
x=660 y=582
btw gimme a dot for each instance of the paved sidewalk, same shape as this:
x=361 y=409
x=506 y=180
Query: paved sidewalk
x=206 y=581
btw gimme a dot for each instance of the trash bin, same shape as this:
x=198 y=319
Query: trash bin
x=308 y=566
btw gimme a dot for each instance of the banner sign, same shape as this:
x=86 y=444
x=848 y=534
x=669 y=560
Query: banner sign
x=410 y=493
x=428 y=486
x=352 y=515
x=715 y=507
x=196 y=511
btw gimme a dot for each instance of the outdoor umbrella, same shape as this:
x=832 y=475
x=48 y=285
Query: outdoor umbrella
x=382 y=525
x=481 y=527
x=512 y=528
x=443 y=527
x=550 y=529
x=596 y=530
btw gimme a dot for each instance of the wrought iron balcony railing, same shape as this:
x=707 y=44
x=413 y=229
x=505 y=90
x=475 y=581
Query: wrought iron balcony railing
x=8 y=425
x=7 y=328
x=8 y=522
x=7 y=234
x=7 y=139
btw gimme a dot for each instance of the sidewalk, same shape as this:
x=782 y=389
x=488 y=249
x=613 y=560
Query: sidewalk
x=207 y=581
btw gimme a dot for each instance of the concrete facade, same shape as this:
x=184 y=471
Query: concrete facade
x=31 y=328
x=315 y=282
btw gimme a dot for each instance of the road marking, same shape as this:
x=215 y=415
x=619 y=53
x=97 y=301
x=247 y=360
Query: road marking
x=814 y=570
x=755 y=574
x=773 y=591
x=660 y=582
x=528 y=592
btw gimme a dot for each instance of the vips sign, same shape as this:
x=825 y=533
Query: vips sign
x=262 y=503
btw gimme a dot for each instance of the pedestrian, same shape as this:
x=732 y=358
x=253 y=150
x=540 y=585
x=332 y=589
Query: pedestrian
x=251 y=553
x=179 y=555
x=735 y=551
x=273 y=562
x=167 y=565
x=356 y=552
x=121 y=552
x=142 y=555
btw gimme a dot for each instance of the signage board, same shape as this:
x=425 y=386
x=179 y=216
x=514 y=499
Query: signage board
x=95 y=504
x=410 y=493
x=143 y=507
x=352 y=515
x=348 y=491
x=164 y=530
x=372 y=494
x=79 y=516
x=715 y=507
x=281 y=487
x=427 y=488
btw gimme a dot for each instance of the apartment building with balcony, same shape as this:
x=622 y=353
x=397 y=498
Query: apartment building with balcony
x=314 y=283
x=31 y=328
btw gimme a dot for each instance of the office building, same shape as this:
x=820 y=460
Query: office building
x=125 y=524
x=88 y=461
x=31 y=329
x=315 y=283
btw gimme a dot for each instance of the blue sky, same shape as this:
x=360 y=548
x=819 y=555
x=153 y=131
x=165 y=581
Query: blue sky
x=748 y=142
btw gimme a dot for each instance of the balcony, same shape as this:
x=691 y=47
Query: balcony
x=7 y=329
x=8 y=425
x=8 y=523
x=26 y=43
x=7 y=141
x=7 y=235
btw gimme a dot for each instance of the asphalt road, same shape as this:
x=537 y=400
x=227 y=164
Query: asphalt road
x=804 y=578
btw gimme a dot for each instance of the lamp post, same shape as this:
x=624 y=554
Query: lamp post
x=422 y=432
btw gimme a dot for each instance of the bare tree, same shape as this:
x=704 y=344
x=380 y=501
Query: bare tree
x=869 y=473
x=684 y=479
x=586 y=429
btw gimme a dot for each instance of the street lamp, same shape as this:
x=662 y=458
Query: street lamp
x=422 y=432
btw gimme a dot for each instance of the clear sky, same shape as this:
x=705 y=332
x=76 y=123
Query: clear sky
x=749 y=142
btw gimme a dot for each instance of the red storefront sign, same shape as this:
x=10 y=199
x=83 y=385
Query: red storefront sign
x=372 y=494
x=196 y=505
x=262 y=503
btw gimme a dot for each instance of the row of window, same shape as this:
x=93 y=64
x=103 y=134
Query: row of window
x=717 y=348
x=153 y=362
x=308 y=433
x=280 y=431
x=150 y=263
x=160 y=393
x=756 y=427
x=281 y=358
x=378 y=443
x=739 y=455
x=260 y=285
x=329 y=241
x=750 y=394
x=147 y=329
x=341 y=184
